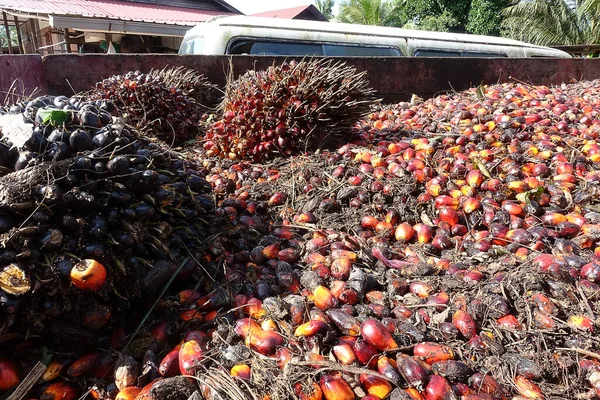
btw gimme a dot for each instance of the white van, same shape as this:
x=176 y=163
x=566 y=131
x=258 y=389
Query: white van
x=285 y=37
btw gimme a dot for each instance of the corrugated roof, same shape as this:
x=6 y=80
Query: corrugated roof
x=112 y=9
x=291 y=13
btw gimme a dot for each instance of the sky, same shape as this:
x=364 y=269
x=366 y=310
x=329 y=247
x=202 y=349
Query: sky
x=256 y=6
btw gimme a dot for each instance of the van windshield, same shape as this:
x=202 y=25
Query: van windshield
x=192 y=46
x=288 y=48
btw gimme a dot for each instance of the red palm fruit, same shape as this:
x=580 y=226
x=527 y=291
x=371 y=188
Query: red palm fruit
x=88 y=275
x=241 y=371
x=375 y=385
x=305 y=218
x=544 y=303
x=384 y=229
x=254 y=308
x=484 y=383
x=83 y=365
x=288 y=255
x=477 y=396
x=271 y=251
x=580 y=322
x=412 y=371
x=424 y=233
x=385 y=366
x=449 y=215
x=189 y=296
x=445 y=201
x=277 y=199
x=553 y=218
x=339 y=253
x=9 y=375
x=591 y=272
x=341 y=268
x=283 y=233
x=265 y=342
x=433 y=352
x=311 y=328
x=128 y=393
x=377 y=335
x=465 y=324
x=189 y=315
x=404 y=232
x=509 y=321
x=441 y=298
x=343 y=353
x=366 y=354
x=543 y=320
x=283 y=356
x=392 y=216
x=190 y=357
x=345 y=322
x=438 y=388
x=169 y=365
x=323 y=298
x=308 y=392
x=420 y=289
x=59 y=391
x=442 y=242
x=475 y=178
x=336 y=388
x=369 y=222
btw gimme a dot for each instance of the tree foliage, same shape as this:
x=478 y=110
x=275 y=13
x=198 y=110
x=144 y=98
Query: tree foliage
x=370 y=12
x=553 y=22
x=325 y=7
x=4 y=39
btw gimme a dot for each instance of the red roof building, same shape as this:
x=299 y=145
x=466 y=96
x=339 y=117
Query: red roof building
x=308 y=12
x=106 y=20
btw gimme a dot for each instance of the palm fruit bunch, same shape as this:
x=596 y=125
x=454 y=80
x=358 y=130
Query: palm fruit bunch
x=288 y=109
x=167 y=103
x=83 y=235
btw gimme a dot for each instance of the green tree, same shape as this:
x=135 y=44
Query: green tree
x=325 y=7
x=472 y=16
x=371 y=12
x=553 y=22
x=4 y=39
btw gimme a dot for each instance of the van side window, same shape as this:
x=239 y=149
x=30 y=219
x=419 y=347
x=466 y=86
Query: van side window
x=275 y=48
x=290 y=48
x=450 y=53
x=192 y=46
x=339 y=50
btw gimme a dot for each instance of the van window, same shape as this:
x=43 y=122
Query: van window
x=450 y=53
x=288 y=48
x=275 y=48
x=339 y=50
x=192 y=46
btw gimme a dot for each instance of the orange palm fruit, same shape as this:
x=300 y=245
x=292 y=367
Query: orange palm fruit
x=311 y=328
x=323 y=298
x=470 y=205
x=341 y=268
x=53 y=371
x=343 y=353
x=433 y=352
x=190 y=357
x=336 y=388
x=308 y=392
x=581 y=322
x=241 y=371
x=128 y=393
x=9 y=375
x=88 y=275
x=375 y=385
x=475 y=178
x=59 y=391
x=404 y=232
x=377 y=335
x=528 y=389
